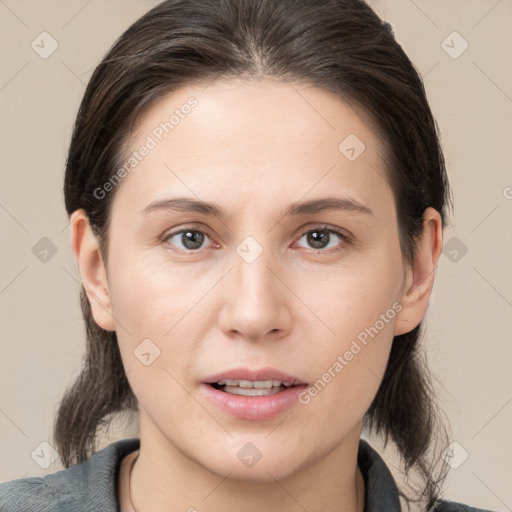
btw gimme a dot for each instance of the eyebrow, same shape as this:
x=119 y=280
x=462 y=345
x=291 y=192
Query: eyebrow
x=185 y=204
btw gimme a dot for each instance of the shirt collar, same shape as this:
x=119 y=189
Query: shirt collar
x=381 y=492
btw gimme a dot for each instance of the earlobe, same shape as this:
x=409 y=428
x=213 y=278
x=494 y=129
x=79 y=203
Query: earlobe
x=87 y=253
x=419 y=279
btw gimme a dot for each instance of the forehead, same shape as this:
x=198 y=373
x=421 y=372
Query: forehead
x=264 y=108
x=236 y=138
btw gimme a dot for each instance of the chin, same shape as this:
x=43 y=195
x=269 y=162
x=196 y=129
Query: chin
x=247 y=465
x=258 y=474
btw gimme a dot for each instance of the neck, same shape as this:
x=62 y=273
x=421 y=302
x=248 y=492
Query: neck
x=164 y=478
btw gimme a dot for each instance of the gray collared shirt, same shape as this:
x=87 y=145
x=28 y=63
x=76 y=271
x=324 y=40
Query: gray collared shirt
x=92 y=485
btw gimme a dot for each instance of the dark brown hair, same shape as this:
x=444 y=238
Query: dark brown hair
x=338 y=45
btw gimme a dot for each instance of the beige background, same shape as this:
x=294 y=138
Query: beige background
x=469 y=331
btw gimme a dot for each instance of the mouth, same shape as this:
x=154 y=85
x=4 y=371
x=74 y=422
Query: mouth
x=253 y=394
x=255 y=399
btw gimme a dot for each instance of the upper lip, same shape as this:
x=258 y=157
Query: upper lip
x=254 y=374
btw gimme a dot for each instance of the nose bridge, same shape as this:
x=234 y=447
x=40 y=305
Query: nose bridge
x=254 y=279
x=253 y=300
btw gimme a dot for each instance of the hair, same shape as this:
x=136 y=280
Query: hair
x=341 y=46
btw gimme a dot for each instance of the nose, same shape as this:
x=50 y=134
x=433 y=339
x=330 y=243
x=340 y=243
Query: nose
x=256 y=302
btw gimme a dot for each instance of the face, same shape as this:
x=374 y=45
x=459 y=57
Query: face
x=273 y=285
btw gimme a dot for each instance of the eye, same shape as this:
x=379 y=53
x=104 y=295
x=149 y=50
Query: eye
x=190 y=238
x=320 y=238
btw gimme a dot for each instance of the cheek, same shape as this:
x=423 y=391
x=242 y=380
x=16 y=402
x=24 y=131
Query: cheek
x=358 y=354
x=355 y=298
x=359 y=310
x=348 y=376
x=151 y=299
x=155 y=319
x=158 y=317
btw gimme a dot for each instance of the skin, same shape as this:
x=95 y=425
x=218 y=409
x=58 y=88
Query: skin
x=253 y=148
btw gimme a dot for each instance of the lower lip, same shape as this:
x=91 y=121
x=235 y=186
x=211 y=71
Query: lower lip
x=255 y=408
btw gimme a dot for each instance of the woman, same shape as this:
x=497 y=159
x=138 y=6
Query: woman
x=257 y=197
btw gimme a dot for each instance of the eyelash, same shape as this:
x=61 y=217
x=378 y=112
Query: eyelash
x=345 y=239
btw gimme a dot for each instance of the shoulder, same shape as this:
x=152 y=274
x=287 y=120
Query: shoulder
x=29 y=494
x=91 y=485
x=381 y=492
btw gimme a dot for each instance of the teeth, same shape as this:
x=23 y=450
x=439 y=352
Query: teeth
x=256 y=384
x=236 y=390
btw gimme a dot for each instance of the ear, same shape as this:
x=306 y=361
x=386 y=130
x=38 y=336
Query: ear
x=419 y=279
x=87 y=253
